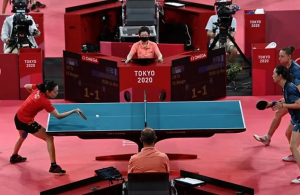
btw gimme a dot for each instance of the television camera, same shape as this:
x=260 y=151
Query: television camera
x=224 y=25
x=224 y=20
x=21 y=23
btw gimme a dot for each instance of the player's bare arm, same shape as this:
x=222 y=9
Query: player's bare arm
x=295 y=105
x=58 y=115
x=28 y=87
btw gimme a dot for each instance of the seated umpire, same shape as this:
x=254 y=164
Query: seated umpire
x=149 y=159
x=144 y=48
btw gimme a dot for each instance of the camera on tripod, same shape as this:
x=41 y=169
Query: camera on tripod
x=20 y=31
x=224 y=19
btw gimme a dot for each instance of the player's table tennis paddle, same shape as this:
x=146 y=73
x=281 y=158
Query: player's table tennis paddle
x=82 y=115
x=261 y=105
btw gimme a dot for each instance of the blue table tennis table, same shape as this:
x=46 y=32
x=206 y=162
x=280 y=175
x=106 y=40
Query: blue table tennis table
x=168 y=119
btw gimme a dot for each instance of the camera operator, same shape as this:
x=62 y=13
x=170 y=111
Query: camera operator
x=18 y=30
x=213 y=29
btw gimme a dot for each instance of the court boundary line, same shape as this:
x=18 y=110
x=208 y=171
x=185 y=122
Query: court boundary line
x=242 y=113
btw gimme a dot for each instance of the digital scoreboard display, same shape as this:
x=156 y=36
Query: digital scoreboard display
x=198 y=80
x=89 y=80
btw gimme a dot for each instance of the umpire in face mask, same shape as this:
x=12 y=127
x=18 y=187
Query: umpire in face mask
x=144 y=48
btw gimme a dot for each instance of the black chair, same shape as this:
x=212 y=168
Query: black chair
x=148 y=184
x=140 y=13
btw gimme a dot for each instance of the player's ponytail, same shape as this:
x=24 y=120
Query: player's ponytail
x=288 y=50
x=46 y=86
x=283 y=71
x=42 y=87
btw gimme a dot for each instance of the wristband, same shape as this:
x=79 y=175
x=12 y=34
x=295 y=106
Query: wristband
x=273 y=103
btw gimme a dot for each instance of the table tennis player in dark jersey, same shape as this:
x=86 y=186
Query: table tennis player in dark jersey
x=291 y=102
x=37 y=101
x=285 y=58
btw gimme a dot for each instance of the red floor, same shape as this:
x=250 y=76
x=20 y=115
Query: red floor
x=236 y=158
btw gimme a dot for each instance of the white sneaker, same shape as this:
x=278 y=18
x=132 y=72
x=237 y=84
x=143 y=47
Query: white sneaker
x=296 y=181
x=262 y=139
x=289 y=158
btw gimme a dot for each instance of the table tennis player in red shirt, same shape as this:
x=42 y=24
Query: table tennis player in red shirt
x=37 y=101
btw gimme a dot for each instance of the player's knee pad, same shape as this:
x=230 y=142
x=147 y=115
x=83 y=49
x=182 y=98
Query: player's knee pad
x=24 y=135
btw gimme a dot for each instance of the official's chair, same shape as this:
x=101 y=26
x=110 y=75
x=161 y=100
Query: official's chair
x=139 y=13
x=148 y=184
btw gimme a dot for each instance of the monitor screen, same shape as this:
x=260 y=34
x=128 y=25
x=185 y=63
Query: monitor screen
x=143 y=61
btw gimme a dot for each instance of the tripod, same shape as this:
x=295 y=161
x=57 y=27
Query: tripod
x=224 y=35
x=20 y=42
x=216 y=39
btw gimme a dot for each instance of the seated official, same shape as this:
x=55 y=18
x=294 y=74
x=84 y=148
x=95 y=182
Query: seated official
x=149 y=159
x=144 y=48
x=10 y=35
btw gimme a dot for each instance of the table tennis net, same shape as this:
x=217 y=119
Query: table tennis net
x=145 y=107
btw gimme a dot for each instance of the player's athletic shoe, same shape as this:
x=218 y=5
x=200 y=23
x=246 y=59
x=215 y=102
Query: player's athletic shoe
x=40 y=5
x=56 y=169
x=262 y=139
x=17 y=158
x=289 y=158
x=296 y=181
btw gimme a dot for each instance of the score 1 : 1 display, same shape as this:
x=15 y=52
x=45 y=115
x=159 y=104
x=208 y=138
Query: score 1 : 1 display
x=202 y=92
x=88 y=94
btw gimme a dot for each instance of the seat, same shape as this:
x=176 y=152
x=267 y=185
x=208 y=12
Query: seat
x=140 y=13
x=148 y=184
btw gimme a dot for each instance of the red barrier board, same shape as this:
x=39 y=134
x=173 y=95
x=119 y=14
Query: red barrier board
x=255 y=30
x=30 y=68
x=154 y=79
x=9 y=77
x=263 y=64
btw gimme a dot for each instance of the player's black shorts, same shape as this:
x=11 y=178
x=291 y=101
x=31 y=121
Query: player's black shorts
x=29 y=128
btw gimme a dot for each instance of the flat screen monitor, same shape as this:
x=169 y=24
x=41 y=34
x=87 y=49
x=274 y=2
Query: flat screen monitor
x=143 y=61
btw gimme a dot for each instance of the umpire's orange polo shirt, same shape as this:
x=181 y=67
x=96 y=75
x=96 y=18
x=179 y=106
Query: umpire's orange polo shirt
x=145 y=51
x=149 y=160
